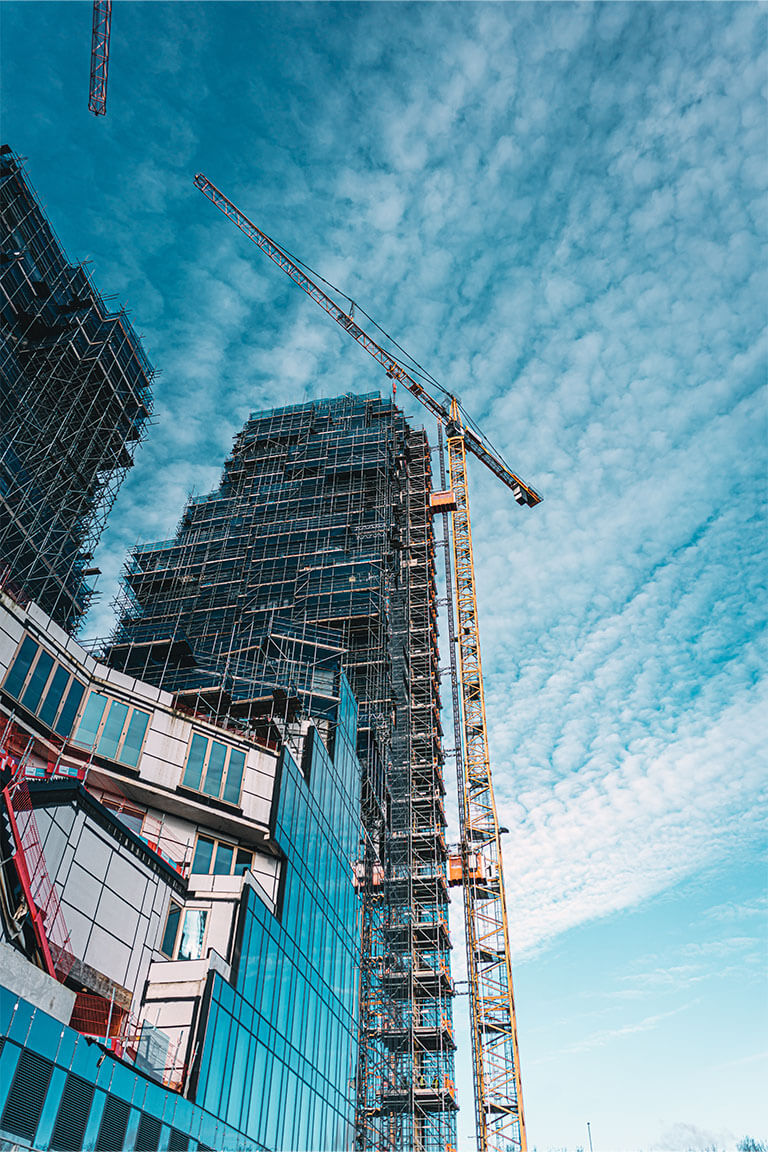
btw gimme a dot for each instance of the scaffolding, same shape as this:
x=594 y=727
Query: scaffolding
x=74 y=403
x=315 y=552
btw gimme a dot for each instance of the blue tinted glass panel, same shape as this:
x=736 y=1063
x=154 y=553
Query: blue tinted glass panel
x=37 y=681
x=223 y=863
x=69 y=708
x=234 y=776
x=215 y=768
x=137 y=726
x=17 y=673
x=171 y=928
x=192 y=934
x=53 y=696
x=193 y=773
x=203 y=855
x=113 y=729
x=91 y=718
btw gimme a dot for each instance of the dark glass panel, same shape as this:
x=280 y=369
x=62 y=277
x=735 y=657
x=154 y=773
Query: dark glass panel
x=203 y=855
x=215 y=769
x=234 y=776
x=171 y=929
x=53 y=696
x=112 y=730
x=17 y=673
x=37 y=681
x=69 y=708
x=223 y=863
x=134 y=738
x=193 y=772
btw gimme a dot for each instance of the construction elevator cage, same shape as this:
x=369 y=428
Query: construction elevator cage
x=75 y=399
x=319 y=540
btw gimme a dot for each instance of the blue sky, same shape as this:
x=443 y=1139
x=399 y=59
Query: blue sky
x=560 y=210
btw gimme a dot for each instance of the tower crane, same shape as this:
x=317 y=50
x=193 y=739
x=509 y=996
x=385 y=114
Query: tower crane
x=496 y=1062
x=102 y=21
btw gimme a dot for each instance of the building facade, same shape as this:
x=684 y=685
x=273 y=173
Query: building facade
x=75 y=399
x=179 y=910
x=321 y=531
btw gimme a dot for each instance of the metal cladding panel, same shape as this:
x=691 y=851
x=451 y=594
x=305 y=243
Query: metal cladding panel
x=26 y=1095
x=114 y=1123
x=72 y=1117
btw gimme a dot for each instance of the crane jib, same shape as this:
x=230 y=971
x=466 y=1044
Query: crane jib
x=523 y=493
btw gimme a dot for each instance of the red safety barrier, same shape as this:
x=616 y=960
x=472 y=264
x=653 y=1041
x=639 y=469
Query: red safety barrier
x=39 y=892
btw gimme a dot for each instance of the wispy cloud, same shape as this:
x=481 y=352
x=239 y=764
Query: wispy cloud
x=560 y=210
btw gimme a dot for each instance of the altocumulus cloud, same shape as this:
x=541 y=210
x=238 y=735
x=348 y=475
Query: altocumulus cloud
x=559 y=209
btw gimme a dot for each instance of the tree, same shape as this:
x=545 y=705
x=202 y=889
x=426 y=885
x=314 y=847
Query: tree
x=749 y=1144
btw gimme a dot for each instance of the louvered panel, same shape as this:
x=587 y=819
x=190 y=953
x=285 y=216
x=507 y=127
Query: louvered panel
x=113 y=1125
x=26 y=1095
x=148 y=1135
x=178 y=1141
x=72 y=1117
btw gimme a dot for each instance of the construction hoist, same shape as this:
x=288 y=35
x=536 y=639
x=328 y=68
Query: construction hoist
x=495 y=1056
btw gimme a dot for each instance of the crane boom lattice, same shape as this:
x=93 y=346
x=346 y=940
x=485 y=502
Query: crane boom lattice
x=102 y=21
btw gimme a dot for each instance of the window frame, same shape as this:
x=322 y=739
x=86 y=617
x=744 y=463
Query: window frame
x=183 y=913
x=215 y=841
x=57 y=666
x=212 y=742
x=95 y=745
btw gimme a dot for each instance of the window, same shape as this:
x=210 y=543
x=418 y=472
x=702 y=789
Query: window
x=220 y=858
x=69 y=709
x=91 y=719
x=214 y=768
x=54 y=696
x=17 y=673
x=41 y=684
x=134 y=737
x=192 y=934
x=184 y=933
x=115 y=730
x=37 y=681
x=171 y=929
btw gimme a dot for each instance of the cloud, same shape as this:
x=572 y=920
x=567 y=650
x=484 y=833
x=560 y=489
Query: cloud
x=559 y=209
x=682 y=1137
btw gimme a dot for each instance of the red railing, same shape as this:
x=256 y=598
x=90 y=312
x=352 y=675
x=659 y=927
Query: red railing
x=39 y=892
x=40 y=895
x=129 y=1037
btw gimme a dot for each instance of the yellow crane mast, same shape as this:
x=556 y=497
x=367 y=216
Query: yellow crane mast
x=496 y=1062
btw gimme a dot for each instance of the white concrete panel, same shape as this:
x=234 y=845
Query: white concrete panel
x=65 y=818
x=177 y=1014
x=52 y=838
x=82 y=890
x=107 y=954
x=79 y=927
x=219 y=926
x=127 y=879
x=118 y=679
x=93 y=852
x=11 y=631
x=256 y=809
x=117 y=915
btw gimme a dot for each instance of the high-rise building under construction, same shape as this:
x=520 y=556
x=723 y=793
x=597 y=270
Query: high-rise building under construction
x=75 y=399
x=318 y=544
